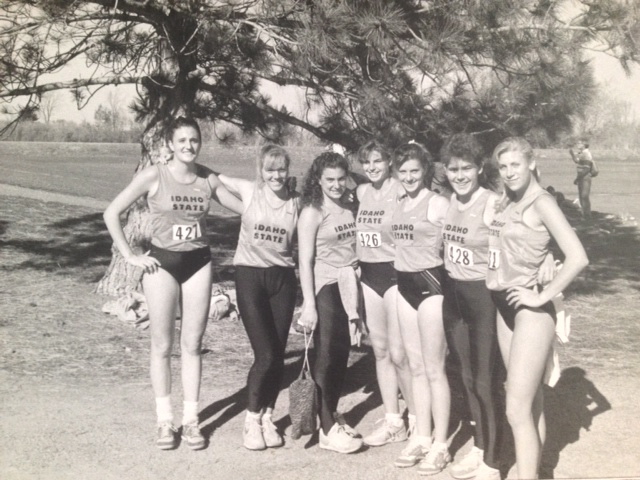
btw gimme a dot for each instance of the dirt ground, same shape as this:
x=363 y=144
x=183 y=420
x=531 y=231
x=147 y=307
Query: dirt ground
x=83 y=407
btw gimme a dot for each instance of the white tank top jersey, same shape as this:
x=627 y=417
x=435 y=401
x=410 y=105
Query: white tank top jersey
x=373 y=223
x=418 y=241
x=466 y=238
x=266 y=232
x=179 y=211
x=516 y=250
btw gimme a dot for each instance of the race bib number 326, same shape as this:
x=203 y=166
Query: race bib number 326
x=186 y=232
x=370 y=239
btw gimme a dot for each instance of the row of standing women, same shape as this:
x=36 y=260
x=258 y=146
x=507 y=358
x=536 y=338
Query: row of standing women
x=419 y=304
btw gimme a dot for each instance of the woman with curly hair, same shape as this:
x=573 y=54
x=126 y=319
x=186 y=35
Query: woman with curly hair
x=327 y=261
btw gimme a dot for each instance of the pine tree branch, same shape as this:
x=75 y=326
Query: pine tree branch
x=75 y=83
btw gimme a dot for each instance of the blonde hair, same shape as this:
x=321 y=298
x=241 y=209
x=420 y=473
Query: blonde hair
x=270 y=153
x=513 y=144
x=519 y=145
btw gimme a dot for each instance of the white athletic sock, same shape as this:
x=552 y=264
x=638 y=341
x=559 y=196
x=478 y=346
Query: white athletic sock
x=253 y=417
x=423 y=440
x=412 y=420
x=394 y=419
x=190 y=413
x=163 y=409
x=439 y=446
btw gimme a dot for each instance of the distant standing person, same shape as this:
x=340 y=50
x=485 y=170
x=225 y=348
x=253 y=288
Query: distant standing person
x=586 y=169
x=266 y=285
x=177 y=269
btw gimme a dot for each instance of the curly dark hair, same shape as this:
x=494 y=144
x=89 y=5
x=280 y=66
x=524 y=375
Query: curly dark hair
x=467 y=147
x=180 y=122
x=414 y=151
x=311 y=190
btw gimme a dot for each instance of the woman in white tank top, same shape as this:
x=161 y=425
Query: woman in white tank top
x=522 y=231
x=174 y=275
x=416 y=228
x=266 y=285
x=327 y=255
x=378 y=200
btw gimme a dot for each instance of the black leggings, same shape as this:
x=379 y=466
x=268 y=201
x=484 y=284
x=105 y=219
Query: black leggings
x=331 y=345
x=266 y=300
x=470 y=325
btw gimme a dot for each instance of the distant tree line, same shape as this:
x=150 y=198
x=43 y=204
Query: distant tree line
x=69 y=131
x=106 y=130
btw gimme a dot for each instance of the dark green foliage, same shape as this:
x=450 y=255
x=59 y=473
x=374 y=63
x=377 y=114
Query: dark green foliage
x=396 y=69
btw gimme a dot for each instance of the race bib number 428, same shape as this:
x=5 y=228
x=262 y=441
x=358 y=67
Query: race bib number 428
x=370 y=239
x=460 y=255
x=186 y=232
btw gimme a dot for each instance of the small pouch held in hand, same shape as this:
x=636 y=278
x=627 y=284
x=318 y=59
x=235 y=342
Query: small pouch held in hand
x=303 y=399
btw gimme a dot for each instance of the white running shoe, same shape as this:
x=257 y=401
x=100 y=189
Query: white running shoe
x=272 y=439
x=485 y=472
x=412 y=454
x=386 y=433
x=467 y=466
x=340 y=439
x=435 y=461
x=252 y=437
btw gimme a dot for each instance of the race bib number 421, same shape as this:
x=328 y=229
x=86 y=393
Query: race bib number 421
x=185 y=233
x=370 y=239
x=460 y=255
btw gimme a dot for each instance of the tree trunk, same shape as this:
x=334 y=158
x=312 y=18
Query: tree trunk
x=121 y=277
x=171 y=97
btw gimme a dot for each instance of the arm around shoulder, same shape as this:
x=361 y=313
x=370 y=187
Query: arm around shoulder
x=239 y=186
x=223 y=196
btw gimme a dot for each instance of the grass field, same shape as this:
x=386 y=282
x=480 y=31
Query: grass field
x=100 y=171
x=74 y=382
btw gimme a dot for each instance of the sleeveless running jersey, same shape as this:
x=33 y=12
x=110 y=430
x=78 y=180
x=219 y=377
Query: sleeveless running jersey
x=335 y=244
x=466 y=238
x=266 y=232
x=179 y=211
x=516 y=251
x=418 y=241
x=374 y=243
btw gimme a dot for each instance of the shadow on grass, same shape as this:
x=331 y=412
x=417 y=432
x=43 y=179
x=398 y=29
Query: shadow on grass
x=570 y=407
x=77 y=246
x=81 y=246
x=230 y=406
x=612 y=244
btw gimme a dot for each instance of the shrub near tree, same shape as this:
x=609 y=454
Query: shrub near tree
x=392 y=69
